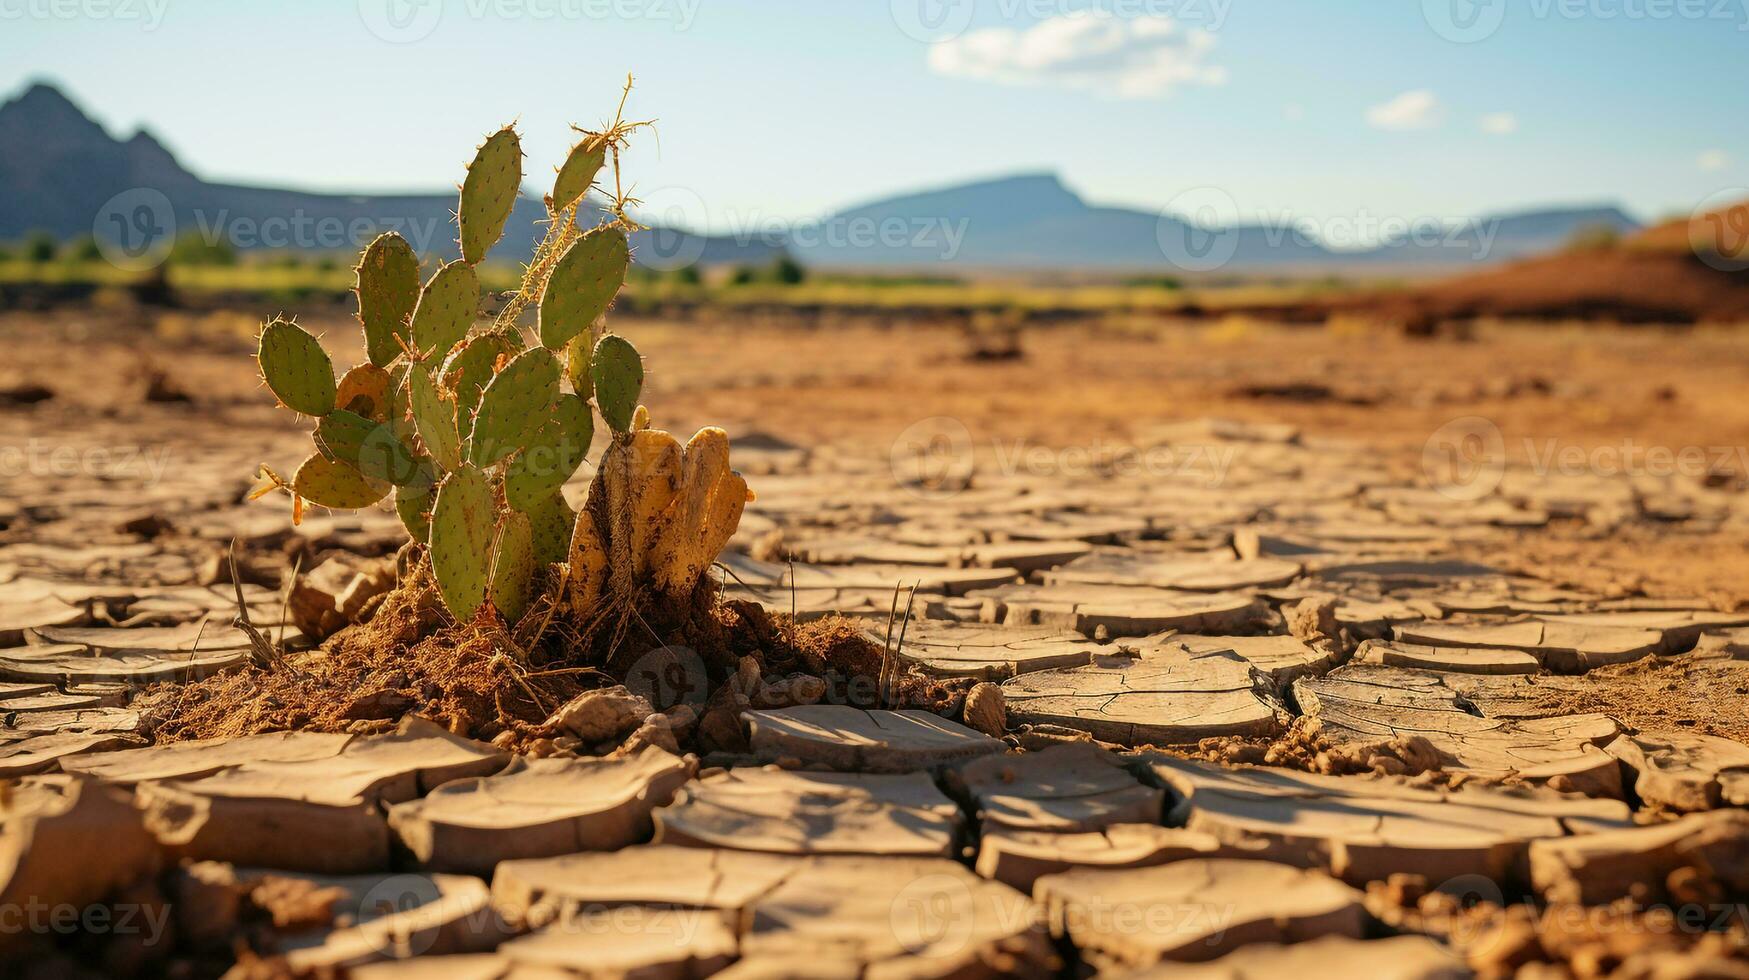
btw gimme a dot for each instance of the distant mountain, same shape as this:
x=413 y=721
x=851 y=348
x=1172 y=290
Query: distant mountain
x=62 y=173
x=1033 y=221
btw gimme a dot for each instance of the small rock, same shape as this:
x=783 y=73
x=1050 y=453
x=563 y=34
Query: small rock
x=383 y=704
x=598 y=716
x=790 y=691
x=655 y=731
x=986 y=710
x=720 y=729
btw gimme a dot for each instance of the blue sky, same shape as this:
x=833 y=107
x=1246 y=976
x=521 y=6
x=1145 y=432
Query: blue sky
x=779 y=109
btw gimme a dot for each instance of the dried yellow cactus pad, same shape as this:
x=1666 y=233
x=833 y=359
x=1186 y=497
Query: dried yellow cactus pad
x=656 y=472
x=586 y=571
x=705 y=513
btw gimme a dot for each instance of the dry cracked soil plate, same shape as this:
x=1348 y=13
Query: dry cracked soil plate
x=1120 y=610
x=856 y=740
x=1192 y=574
x=1643 y=863
x=374 y=918
x=1194 y=911
x=1562 y=647
x=1158 y=697
x=782 y=812
x=538 y=808
x=1061 y=789
x=1363 y=828
x=1367 y=704
x=1329 y=958
x=1282 y=659
x=988 y=652
x=913 y=917
x=1685 y=771
x=1020 y=857
x=266 y=813
x=67 y=842
x=1456 y=660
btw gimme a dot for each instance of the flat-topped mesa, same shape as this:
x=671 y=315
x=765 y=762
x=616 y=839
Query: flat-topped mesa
x=475 y=431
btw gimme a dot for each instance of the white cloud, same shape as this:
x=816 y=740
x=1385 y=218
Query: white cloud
x=1714 y=160
x=1137 y=58
x=1500 y=124
x=1411 y=110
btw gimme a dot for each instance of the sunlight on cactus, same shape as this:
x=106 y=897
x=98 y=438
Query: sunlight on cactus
x=474 y=430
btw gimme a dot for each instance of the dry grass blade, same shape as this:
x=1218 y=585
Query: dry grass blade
x=262 y=652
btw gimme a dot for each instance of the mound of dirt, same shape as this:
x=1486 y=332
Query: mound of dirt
x=1681 y=272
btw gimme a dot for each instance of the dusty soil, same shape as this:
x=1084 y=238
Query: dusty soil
x=1568 y=398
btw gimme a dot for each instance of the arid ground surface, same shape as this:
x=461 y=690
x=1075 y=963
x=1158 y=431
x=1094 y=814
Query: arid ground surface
x=1225 y=636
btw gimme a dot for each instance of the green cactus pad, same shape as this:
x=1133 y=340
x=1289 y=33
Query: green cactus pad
x=434 y=419
x=296 y=368
x=553 y=453
x=489 y=193
x=583 y=284
x=618 y=373
x=577 y=366
x=446 y=309
x=367 y=445
x=388 y=289
x=514 y=406
x=578 y=173
x=513 y=566
x=324 y=481
x=413 y=501
x=461 y=540
x=470 y=368
x=552 y=520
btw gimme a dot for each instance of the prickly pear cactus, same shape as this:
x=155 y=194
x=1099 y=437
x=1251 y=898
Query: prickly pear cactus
x=388 y=289
x=578 y=172
x=461 y=540
x=296 y=368
x=514 y=406
x=331 y=483
x=583 y=284
x=475 y=433
x=489 y=193
x=447 y=307
x=513 y=565
x=618 y=373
